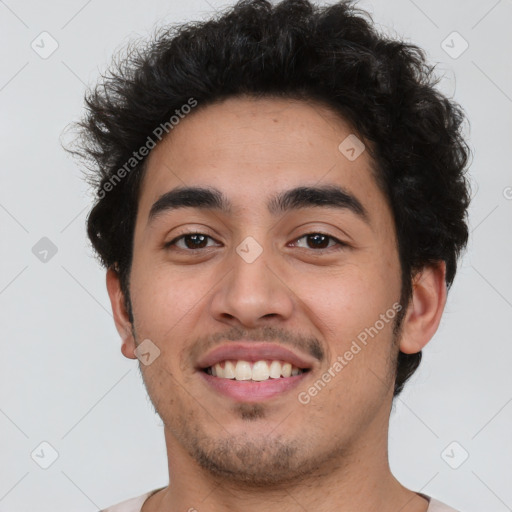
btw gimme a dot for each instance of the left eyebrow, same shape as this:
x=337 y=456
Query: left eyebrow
x=328 y=196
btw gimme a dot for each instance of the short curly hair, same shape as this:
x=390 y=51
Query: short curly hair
x=333 y=55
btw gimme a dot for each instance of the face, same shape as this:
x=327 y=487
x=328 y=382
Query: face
x=318 y=279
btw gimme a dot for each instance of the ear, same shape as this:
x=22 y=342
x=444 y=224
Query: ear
x=425 y=308
x=121 y=317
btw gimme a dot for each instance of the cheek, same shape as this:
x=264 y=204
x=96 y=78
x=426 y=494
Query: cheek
x=354 y=310
x=347 y=298
x=164 y=303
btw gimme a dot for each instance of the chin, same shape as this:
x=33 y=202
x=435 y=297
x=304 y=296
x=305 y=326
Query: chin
x=255 y=464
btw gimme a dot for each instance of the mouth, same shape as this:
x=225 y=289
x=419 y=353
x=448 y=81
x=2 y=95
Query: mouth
x=252 y=372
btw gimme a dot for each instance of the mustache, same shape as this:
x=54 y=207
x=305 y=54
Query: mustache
x=308 y=344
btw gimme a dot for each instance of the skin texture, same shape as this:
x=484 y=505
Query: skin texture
x=277 y=454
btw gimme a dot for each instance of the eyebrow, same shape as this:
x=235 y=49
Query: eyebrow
x=210 y=198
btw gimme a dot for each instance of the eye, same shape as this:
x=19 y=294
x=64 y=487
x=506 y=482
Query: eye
x=319 y=241
x=192 y=241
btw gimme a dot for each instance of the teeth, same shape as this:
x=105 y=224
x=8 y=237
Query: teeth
x=275 y=370
x=219 y=371
x=286 y=370
x=229 y=370
x=260 y=371
x=243 y=371
x=257 y=371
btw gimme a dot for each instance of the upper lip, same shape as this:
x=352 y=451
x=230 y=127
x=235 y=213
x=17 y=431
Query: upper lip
x=253 y=351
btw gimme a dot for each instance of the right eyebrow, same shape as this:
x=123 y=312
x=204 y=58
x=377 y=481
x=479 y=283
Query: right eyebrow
x=190 y=197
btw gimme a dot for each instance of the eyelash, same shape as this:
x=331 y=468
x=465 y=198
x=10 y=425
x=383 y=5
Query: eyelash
x=342 y=245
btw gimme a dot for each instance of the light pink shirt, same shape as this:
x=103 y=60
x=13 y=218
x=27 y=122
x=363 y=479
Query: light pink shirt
x=135 y=504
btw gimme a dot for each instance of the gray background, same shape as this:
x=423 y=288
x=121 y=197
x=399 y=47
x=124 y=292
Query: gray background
x=64 y=380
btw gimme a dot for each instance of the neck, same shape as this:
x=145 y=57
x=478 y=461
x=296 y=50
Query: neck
x=360 y=480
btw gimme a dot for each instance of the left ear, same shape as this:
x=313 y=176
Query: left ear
x=425 y=308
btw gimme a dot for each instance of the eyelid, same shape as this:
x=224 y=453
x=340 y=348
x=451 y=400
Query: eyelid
x=341 y=244
x=183 y=235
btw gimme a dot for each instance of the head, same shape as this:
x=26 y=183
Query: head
x=251 y=115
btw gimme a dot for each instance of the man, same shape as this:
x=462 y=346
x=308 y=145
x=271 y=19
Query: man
x=281 y=203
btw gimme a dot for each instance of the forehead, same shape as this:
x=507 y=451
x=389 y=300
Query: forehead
x=250 y=148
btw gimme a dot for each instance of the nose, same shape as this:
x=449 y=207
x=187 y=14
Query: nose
x=253 y=292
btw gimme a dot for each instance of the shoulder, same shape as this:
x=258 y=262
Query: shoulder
x=132 y=504
x=437 y=506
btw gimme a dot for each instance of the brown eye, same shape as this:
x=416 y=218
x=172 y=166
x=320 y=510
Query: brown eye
x=190 y=241
x=319 y=241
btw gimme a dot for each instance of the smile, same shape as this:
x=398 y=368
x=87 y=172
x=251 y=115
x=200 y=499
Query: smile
x=257 y=371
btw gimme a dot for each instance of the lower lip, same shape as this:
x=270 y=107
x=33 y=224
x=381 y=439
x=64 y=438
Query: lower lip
x=251 y=391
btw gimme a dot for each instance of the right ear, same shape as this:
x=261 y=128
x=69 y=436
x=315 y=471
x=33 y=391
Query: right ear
x=121 y=317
